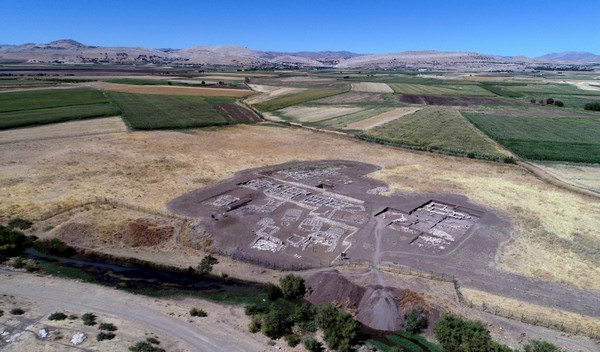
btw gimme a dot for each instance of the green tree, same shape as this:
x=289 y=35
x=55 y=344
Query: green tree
x=206 y=264
x=276 y=323
x=559 y=103
x=592 y=106
x=274 y=292
x=415 y=321
x=292 y=286
x=459 y=335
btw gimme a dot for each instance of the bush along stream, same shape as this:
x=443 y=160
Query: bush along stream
x=275 y=310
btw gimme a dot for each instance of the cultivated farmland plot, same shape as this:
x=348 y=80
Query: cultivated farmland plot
x=371 y=87
x=316 y=113
x=36 y=107
x=147 y=111
x=542 y=138
x=436 y=129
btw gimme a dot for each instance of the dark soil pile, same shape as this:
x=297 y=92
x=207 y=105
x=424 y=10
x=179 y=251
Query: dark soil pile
x=142 y=232
x=378 y=307
x=332 y=287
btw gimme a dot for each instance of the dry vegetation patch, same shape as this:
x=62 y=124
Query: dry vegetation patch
x=151 y=168
x=381 y=119
x=371 y=87
x=316 y=113
x=65 y=129
x=270 y=92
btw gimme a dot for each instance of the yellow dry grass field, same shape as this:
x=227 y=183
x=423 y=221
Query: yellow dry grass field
x=381 y=119
x=371 y=87
x=586 y=176
x=151 y=168
x=270 y=92
x=173 y=90
x=319 y=113
x=519 y=310
x=65 y=129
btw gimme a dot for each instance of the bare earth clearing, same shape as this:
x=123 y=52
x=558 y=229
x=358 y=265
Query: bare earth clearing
x=172 y=90
x=371 y=87
x=66 y=129
x=381 y=119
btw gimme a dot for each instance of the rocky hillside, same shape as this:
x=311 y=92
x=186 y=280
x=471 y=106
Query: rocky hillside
x=72 y=52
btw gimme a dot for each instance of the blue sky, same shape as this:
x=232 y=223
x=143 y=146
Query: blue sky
x=503 y=27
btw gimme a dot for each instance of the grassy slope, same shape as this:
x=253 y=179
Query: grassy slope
x=35 y=107
x=439 y=129
x=149 y=111
x=544 y=138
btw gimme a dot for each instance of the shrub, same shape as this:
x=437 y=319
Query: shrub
x=54 y=246
x=19 y=223
x=276 y=323
x=207 y=263
x=73 y=317
x=12 y=242
x=549 y=101
x=292 y=340
x=57 y=316
x=89 y=319
x=559 y=103
x=107 y=327
x=17 y=262
x=509 y=160
x=459 y=335
x=340 y=330
x=144 y=346
x=541 y=346
x=415 y=321
x=592 y=106
x=31 y=265
x=195 y=312
x=153 y=341
x=312 y=345
x=255 y=324
x=17 y=311
x=274 y=292
x=292 y=286
x=105 y=336
x=253 y=309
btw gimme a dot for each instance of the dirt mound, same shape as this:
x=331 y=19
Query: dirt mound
x=378 y=307
x=332 y=287
x=75 y=233
x=142 y=232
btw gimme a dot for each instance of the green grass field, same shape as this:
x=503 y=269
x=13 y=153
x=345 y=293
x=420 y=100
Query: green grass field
x=544 y=138
x=438 y=129
x=440 y=90
x=299 y=98
x=49 y=98
x=35 y=107
x=403 y=341
x=150 y=111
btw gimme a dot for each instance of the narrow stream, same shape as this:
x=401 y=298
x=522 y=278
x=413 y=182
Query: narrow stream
x=142 y=277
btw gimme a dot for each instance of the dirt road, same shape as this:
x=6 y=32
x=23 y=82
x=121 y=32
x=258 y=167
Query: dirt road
x=73 y=295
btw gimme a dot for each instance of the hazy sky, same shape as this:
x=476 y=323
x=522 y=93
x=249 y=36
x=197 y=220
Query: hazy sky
x=503 y=27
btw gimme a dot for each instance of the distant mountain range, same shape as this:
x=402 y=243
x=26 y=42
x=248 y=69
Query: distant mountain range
x=70 y=51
